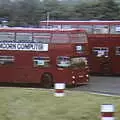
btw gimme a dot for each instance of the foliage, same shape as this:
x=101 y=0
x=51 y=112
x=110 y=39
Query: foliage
x=30 y=12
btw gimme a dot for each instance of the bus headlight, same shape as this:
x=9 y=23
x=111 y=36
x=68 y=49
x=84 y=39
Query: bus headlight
x=73 y=82
x=87 y=75
x=73 y=77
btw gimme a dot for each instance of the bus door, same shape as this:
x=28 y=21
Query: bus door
x=102 y=60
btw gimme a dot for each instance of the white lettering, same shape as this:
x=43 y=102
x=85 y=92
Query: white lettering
x=24 y=46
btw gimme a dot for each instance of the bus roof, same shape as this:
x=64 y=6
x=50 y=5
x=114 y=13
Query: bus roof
x=90 y=22
x=38 y=30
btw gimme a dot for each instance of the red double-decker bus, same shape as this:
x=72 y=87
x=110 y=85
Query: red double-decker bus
x=104 y=43
x=44 y=56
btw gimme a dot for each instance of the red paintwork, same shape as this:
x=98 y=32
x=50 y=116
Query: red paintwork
x=109 y=41
x=65 y=75
x=107 y=114
x=23 y=71
x=97 y=40
x=38 y=30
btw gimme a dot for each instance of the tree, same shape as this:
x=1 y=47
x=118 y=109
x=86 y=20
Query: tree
x=30 y=12
x=25 y=13
x=102 y=10
x=108 y=10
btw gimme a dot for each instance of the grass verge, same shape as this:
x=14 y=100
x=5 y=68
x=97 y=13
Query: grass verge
x=38 y=104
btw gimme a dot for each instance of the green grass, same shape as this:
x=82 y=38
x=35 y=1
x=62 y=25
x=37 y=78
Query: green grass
x=38 y=104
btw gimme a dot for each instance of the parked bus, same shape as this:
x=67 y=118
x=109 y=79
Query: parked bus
x=44 y=56
x=104 y=43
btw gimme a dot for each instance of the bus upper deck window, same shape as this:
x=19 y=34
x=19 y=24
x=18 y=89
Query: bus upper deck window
x=101 y=29
x=87 y=28
x=41 y=37
x=23 y=37
x=60 y=38
x=115 y=29
x=7 y=36
x=63 y=61
x=78 y=38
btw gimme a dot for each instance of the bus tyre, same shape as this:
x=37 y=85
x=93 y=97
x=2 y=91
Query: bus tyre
x=46 y=80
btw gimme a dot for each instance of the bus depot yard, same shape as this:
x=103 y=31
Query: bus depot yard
x=109 y=85
x=48 y=63
x=40 y=104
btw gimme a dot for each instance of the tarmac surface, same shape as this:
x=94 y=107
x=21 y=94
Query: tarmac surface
x=108 y=85
x=102 y=84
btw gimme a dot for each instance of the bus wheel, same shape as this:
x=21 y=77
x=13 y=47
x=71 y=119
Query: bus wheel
x=46 y=80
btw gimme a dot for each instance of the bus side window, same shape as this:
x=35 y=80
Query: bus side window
x=117 y=52
x=7 y=36
x=23 y=37
x=41 y=61
x=41 y=37
x=94 y=51
x=60 y=38
x=79 y=62
x=87 y=28
x=78 y=38
x=100 y=29
x=63 y=61
x=115 y=29
x=6 y=60
x=100 y=51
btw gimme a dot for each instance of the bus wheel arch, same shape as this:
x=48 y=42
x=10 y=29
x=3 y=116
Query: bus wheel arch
x=46 y=80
